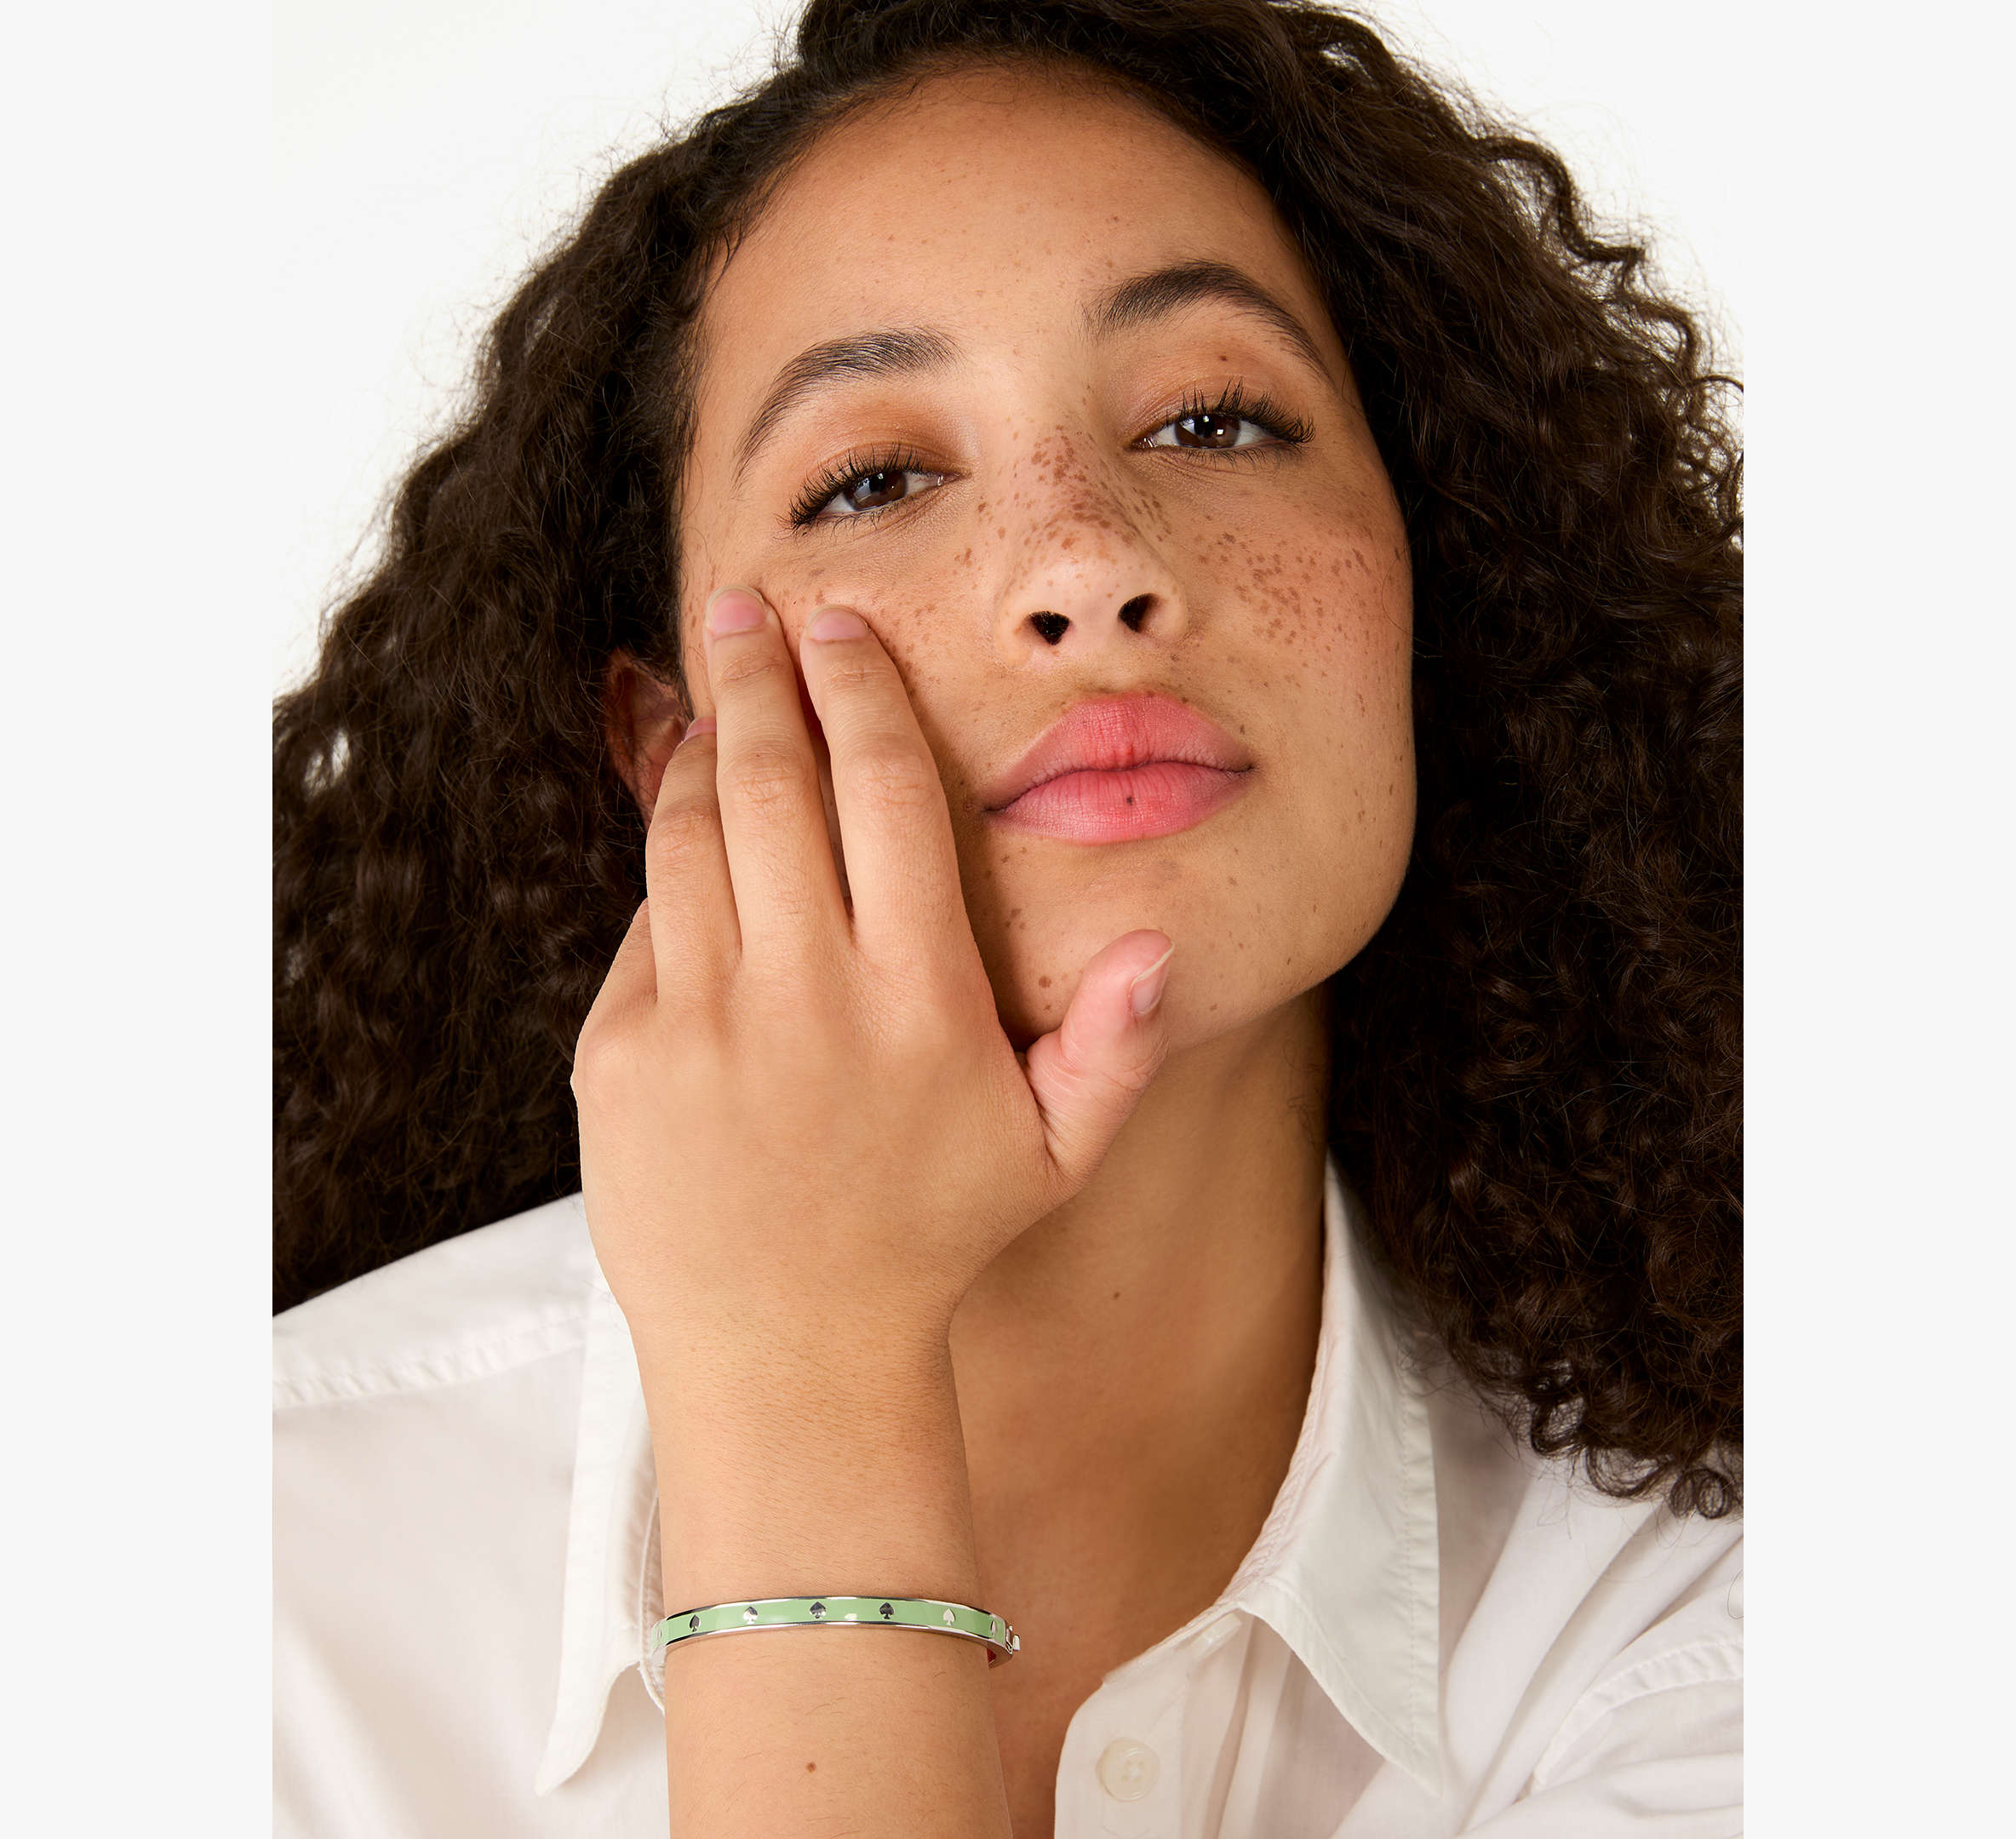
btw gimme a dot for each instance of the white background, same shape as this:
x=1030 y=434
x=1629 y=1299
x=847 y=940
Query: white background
x=212 y=377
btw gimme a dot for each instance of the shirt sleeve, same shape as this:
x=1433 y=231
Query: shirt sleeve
x=1655 y=1749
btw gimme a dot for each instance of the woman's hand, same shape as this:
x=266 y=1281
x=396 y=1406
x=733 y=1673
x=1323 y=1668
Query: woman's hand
x=803 y=1135
x=801 y=1126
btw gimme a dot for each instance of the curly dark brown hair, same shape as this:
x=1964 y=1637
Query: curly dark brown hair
x=1537 y=1057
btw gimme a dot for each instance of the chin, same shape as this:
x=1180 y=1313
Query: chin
x=1035 y=974
x=1257 y=919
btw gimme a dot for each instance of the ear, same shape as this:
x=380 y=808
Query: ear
x=644 y=719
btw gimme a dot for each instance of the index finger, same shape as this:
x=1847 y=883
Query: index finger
x=903 y=865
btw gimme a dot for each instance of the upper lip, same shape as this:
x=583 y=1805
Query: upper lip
x=1108 y=733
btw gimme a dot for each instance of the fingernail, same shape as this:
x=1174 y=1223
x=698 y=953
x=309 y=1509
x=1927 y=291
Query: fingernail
x=836 y=622
x=733 y=609
x=1146 y=990
x=700 y=725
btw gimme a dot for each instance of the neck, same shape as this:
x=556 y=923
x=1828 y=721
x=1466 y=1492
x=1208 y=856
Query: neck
x=1161 y=1327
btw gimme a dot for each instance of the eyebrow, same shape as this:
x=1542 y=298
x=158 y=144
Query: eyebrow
x=1155 y=296
x=912 y=350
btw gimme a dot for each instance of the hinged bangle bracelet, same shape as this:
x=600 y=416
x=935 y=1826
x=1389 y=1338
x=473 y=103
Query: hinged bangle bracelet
x=1001 y=1641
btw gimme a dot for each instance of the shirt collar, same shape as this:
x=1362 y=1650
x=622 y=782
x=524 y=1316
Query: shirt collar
x=1345 y=1570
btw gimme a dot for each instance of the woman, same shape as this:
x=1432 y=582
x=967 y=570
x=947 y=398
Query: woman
x=1077 y=679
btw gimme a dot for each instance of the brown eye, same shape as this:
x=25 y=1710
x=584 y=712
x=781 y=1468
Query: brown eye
x=879 y=485
x=1208 y=431
x=1211 y=431
x=872 y=490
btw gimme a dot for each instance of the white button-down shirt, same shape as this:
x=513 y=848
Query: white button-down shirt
x=1435 y=1633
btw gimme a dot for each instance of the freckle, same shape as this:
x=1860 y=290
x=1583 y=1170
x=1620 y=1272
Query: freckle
x=1042 y=983
x=1116 y=1296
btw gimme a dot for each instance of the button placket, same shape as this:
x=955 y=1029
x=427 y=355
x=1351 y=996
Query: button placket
x=1137 y=1767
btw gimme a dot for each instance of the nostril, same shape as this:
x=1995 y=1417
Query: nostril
x=1050 y=625
x=1134 y=612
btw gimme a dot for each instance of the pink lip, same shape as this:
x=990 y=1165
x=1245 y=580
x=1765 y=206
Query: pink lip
x=1119 y=767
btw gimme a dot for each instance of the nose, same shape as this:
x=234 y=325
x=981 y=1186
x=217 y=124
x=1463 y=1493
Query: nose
x=1086 y=574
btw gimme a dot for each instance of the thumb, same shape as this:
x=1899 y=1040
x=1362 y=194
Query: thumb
x=1090 y=1071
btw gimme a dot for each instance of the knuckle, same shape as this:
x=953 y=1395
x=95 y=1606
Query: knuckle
x=601 y=1061
x=765 y=774
x=682 y=828
x=824 y=1050
x=895 y=775
x=736 y=665
x=807 y=1000
x=854 y=671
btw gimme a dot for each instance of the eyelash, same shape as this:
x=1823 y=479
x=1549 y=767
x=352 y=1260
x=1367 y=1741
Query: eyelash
x=1287 y=430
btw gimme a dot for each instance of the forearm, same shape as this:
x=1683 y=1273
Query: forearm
x=808 y=1472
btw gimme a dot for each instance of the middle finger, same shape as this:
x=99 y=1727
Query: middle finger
x=788 y=898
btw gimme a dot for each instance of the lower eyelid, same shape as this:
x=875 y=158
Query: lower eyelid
x=1267 y=439
x=1272 y=446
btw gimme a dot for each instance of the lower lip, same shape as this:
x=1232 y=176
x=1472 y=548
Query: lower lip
x=1154 y=800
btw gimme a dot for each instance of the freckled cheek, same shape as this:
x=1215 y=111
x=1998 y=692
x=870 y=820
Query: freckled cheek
x=1318 y=625
x=1334 y=605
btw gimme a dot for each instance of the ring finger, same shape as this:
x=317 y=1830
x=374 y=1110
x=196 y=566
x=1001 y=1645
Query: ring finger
x=695 y=940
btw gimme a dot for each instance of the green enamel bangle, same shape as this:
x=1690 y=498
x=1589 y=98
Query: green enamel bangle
x=1001 y=1641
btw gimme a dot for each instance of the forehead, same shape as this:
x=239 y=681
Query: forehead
x=993 y=204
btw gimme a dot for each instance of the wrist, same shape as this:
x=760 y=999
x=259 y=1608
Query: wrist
x=802 y=1470
x=745 y=1338
x=778 y=1387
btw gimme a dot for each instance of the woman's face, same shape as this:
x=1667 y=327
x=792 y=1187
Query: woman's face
x=1002 y=465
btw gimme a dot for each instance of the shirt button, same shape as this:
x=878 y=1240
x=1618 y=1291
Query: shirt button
x=1127 y=1769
